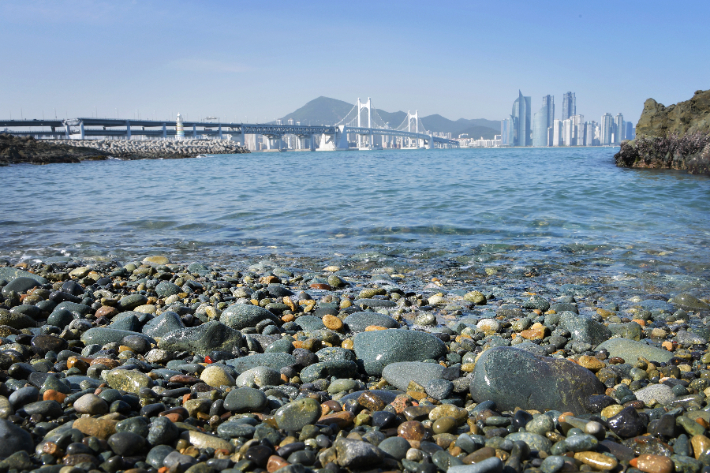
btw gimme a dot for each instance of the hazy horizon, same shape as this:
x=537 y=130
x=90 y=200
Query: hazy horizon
x=249 y=62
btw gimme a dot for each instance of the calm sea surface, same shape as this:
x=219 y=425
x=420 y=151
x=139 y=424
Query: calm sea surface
x=485 y=207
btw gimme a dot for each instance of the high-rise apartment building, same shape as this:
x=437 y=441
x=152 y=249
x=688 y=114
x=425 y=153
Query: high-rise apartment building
x=542 y=120
x=557 y=133
x=521 y=120
x=630 y=131
x=589 y=135
x=619 y=129
x=607 y=129
x=569 y=105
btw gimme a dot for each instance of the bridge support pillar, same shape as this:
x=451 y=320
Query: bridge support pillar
x=67 y=132
x=431 y=142
x=220 y=132
x=128 y=130
x=243 y=139
x=81 y=127
x=165 y=131
x=341 y=138
x=313 y=143
x=194 y=132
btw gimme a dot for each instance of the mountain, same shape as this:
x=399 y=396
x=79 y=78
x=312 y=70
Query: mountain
x=326 y=111
x=477 y=132
x=320 y=111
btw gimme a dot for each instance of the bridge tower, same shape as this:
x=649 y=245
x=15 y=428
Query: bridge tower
x=413 y=116
x=368 y=106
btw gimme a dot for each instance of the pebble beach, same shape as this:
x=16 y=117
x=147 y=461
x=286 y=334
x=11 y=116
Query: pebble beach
x=265 y=365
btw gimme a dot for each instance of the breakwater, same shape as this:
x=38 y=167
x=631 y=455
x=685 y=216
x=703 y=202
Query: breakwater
x=157 y=149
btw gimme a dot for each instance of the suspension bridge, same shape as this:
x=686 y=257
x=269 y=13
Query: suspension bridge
x=361 y=128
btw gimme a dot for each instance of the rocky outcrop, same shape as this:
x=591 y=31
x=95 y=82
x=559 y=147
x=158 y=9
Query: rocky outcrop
x=16 y=149
x=673 y=137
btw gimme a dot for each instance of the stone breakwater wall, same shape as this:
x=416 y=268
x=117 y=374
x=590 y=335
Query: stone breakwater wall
x=156 y=149
x=673 y=137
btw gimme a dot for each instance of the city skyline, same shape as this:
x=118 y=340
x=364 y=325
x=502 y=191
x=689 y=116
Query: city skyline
x=569 y=130
x=253 y=62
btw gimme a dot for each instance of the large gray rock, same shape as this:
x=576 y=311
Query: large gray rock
x=400 y=374
x=10 y=274
x=13 y=439
x=20 y=285
x=630 y=350
x=689 y=302
x=203 y=339
x=516 y=378
x=379 y=348
x=163 y=324
x=239 y=316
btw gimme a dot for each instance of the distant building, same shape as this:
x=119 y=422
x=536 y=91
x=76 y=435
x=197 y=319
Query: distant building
x=589 y=135
x=619 y=129
x=577 y=122
x=521 y=121
x=567 y=127
x=507 y=132
x=557 y=133
x=630 y=131
x=543 y=120
x=569 y=105
x=607 y=129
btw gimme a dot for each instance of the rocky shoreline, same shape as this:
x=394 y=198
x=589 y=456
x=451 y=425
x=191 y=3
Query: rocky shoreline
x=16 y=150
x=150 y=366
x=674 y=137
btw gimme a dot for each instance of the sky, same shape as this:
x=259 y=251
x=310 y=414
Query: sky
x=258 y=61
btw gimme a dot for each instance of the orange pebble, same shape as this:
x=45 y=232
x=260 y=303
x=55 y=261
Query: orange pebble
x=52 y=395
x=641 y=322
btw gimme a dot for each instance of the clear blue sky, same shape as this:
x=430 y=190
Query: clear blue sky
x=264 y=59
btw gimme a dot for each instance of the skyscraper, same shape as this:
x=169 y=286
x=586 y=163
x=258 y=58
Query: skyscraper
x=620 y=129
x=506 y=132
x=542 y=120
x=521 y=120
x=557 y=133
x=569 y=105
x=629 y=135
x=606 y=129
x=589 y=138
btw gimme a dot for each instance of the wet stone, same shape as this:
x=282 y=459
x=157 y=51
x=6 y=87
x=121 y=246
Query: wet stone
x=380 y=348
x=245 y=400
x=516 y=378
x=294 y=415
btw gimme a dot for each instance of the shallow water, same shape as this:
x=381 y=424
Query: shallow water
x=477 y=207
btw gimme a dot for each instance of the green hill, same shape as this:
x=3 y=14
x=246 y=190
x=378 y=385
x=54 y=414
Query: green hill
x=320 y=111
x=327 y=111
x=478 y=132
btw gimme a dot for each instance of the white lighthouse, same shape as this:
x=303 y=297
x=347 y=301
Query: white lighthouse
x=180 y=131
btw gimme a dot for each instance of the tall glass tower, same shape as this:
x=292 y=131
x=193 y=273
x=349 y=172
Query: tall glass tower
x=521 y=115
x=569 y=105
x=542 y=120
x=620 y=129
x=607 y=126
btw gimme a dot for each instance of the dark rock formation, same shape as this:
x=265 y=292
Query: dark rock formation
x=15 y=149
x=673 y=137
